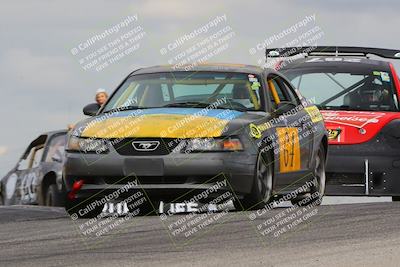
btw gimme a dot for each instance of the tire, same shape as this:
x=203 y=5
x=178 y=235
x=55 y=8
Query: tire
x=395 y=198
x=317 y=191
x=261 y=192
x=53 y=197
x=73 y=207
x=2 y=201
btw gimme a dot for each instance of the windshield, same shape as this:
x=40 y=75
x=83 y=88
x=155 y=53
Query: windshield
x=340 y=88
x=239 y=91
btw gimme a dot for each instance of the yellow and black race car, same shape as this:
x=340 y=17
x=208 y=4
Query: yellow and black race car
x=171 y=133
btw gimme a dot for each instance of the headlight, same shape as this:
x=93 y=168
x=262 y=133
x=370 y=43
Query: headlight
x=87 y=145
x=211 y=144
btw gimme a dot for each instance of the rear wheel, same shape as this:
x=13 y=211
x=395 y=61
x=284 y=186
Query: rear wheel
x=317 y=190
x=53 y=197
x=262 y=184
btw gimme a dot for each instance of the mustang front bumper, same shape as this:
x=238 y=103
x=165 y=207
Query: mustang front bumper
x=163 y=177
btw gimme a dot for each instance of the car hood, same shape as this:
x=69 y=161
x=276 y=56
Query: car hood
x=159 y=122
x=355 y=127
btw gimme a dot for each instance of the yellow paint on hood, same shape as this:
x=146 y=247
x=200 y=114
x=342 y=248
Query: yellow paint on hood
x=157 y=125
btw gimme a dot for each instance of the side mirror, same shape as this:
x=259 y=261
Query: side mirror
x=284 y=107
x=91 y=109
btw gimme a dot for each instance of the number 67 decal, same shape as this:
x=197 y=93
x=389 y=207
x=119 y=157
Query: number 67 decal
x=289 y=149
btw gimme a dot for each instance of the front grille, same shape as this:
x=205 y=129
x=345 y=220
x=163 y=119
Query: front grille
x=146 y=180
x=130 y=146
x=143 y=180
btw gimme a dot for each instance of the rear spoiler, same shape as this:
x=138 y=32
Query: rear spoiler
x=332 y=51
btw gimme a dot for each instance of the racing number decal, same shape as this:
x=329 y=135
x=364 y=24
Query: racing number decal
x=289 y=149
x=28 y=188
x=333 y=134
x=314 y=114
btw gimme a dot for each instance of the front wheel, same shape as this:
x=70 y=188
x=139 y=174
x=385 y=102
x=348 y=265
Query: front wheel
x=261 y=192
x=317 y=189
x=53 y=197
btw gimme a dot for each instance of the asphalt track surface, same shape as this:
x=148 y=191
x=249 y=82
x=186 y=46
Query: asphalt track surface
x=366 y=234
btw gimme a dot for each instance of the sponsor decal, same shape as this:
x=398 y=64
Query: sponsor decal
x=376 y=73
x=333 y=134
x=314 y=113
x=257 y=130
x=385 y=76
x=333 y=59
x=174 y=208
x=357 y=119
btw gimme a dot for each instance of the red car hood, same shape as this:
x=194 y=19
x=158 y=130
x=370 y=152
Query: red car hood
x=355 y=127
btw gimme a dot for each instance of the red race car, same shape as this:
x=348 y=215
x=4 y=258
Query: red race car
x=359 y=100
